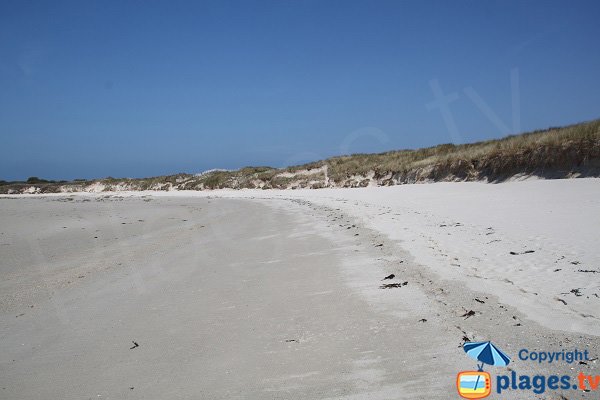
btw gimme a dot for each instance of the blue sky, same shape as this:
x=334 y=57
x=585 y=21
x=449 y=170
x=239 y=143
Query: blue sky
x=132 y=89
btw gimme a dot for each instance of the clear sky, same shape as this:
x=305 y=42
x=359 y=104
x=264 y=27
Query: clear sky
x=132 y=89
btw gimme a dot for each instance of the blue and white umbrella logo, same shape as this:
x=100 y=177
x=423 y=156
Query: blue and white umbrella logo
x=486 y=353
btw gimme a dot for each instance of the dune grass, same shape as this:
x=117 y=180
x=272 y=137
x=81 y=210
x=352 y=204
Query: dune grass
x=538 y=152
x=551 y=153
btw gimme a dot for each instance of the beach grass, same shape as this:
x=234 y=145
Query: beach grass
x=557 y=152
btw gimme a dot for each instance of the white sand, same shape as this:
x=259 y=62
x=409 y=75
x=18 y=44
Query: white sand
x=227 y=299
x=278 y=296
x=558 y=219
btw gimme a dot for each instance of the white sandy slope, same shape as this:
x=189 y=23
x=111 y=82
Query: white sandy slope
x=465 y=232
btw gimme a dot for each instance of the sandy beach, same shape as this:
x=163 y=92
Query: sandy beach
x=299 y=200
x=280 y=294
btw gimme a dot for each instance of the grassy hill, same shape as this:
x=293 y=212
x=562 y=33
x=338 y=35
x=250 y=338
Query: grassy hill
x=571 y=151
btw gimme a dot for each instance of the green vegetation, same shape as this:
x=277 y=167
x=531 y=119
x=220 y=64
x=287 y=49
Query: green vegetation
x=35 y=179
x=555 y=151
x=552 y=153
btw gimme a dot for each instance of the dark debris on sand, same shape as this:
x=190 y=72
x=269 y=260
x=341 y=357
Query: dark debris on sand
x=393 y=285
